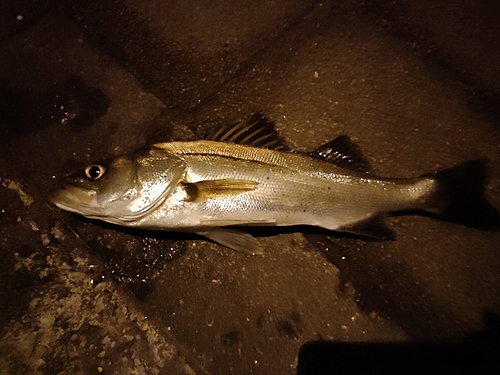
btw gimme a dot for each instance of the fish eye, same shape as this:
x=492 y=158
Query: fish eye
x=94 y=171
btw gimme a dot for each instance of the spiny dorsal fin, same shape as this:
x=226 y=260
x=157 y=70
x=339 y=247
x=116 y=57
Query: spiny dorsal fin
x=343 y=153
x=202 y=189
x=257 y=131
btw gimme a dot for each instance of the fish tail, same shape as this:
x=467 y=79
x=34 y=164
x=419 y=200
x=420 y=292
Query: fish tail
x=460 y=196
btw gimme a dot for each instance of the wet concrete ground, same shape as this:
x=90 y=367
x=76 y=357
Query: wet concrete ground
x=416 y=85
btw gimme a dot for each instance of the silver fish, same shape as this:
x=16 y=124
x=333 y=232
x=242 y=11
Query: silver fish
x=243 y=176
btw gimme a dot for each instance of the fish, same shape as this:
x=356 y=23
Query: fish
x=244 y=175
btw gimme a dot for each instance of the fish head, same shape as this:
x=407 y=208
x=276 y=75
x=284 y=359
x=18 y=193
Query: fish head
x=121 y=190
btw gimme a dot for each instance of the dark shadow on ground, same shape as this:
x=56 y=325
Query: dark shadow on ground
x=476 y=354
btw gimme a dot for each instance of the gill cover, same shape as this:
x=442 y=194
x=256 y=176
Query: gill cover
x=157 y=173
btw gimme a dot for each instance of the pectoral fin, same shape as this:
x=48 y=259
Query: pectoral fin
x=202 y=189
x=234 y=239
x=226 y=185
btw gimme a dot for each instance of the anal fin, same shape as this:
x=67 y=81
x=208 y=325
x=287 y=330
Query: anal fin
x=373 y=227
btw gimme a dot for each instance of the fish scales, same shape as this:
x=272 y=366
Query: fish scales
x=292 y=189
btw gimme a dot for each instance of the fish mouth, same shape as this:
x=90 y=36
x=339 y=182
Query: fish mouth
x=85 y=202
x=75 y=199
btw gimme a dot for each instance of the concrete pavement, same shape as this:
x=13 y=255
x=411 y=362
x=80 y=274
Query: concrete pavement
x=90 y=80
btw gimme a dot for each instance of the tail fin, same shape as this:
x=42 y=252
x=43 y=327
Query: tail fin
x=461 y=196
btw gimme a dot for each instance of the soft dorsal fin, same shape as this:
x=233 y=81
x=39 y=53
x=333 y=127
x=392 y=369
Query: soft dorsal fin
x=343 y=153
x=257 y=131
